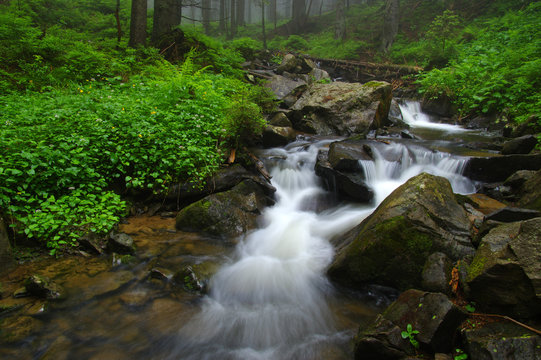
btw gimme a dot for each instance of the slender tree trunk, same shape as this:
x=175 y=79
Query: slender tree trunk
x=138 y=23
x=273 y=13
x=340 y=25
x=263 y=24
x=390 y=24
x=205 y=15
x=233 y=19
x=117 y=19
x=221 y=25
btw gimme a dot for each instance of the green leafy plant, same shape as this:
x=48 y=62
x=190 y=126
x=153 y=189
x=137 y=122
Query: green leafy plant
x=470 y=307
x=409 y=334
x=460 y=355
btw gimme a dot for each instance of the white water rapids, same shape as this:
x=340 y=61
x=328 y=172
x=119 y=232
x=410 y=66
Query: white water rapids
x=271 y=301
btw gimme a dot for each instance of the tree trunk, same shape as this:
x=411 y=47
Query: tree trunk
x=263 y=24
x=167 y=15
x=233 y=19
x=221 y=26
x=390 y=24
x=241 y=10
x=273 y=14
x=205 y=15
x=340 y=25
x=138 y=23
x=299 y=15
x=118 y=26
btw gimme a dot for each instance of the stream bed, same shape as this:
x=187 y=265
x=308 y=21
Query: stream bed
x=269 y=297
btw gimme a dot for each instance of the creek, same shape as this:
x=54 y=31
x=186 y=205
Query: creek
x=270 y=298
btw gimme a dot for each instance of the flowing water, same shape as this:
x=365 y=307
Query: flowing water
x=270 y=299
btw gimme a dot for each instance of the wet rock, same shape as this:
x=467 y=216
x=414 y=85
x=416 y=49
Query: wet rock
x=391 y=246
x=499 y=168
x=432 y=314
x=437 y=273
x=501 y=341
x=345 y=155
x=284 y=87
x=21 y=293
x=517 y=180
x=441 y=106
x=381 y=341
x=520 y=145
x=319 y=75
x=43 y=287
x=161 y=273
x=92 y=243
x=295 y=64
x=121 y=243
x=274 y=136
x=509 y=214
x=280 y=119
x=348 y=185
x=505 y=274
x=227 y=214
x=395 y=115
x=529 y=127
x=224 y=179
x=484 y=203
x=342 y=108
x=529 y=196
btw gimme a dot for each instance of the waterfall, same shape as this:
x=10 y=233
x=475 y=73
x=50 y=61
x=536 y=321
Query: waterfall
x=414 y=117
x=271 y=300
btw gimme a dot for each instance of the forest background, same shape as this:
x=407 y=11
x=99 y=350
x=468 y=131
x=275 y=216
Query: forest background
x=103 y=99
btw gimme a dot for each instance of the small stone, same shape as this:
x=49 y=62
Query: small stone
x=43 y=287
x=121 y=243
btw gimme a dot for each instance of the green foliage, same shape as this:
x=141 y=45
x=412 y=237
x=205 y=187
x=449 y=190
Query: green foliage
x=500 y=71
x=246 y=46
x=460 y=355
x=410 y=334
x=243 y=120
x=470 y=307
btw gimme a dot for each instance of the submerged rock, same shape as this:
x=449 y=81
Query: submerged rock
x=226 y=214
x=391 y=246
x=505 y=274
x=342 y=108
x=43 y=287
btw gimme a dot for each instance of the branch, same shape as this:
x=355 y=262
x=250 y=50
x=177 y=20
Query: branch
x=509 y=319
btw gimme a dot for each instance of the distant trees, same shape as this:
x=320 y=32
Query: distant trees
x=298 y=9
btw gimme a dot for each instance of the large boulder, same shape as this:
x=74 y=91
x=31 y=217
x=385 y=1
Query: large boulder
x=274 y=136
x=226 y=214
x=530 y=192
x=345 y=155
x=499 y=168
x=391 y=246
x=342 y=108
x=295 y=64
x=431 y=314
x=520 y=145
x=505 y=274
x=286 y=89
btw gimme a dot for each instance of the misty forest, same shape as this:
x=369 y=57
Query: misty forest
x=270 y=179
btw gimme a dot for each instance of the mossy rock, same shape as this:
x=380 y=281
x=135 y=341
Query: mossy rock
x=392 y=245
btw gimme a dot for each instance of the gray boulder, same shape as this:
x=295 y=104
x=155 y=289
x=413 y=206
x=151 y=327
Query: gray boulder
x=345 y=155
x=286 y=89
x=499 y=168
x=295 y=64
x=529 y=195
x=505 y=274
x=274 y=136
x=342 y=108
x=280 y=119
x=391 y=246
x=520 y=145
x=121 y=243
x=347 y=185
x=226 y=214
x=501 y=341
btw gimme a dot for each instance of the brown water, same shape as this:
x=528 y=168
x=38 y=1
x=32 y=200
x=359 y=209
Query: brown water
x=118 y=311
